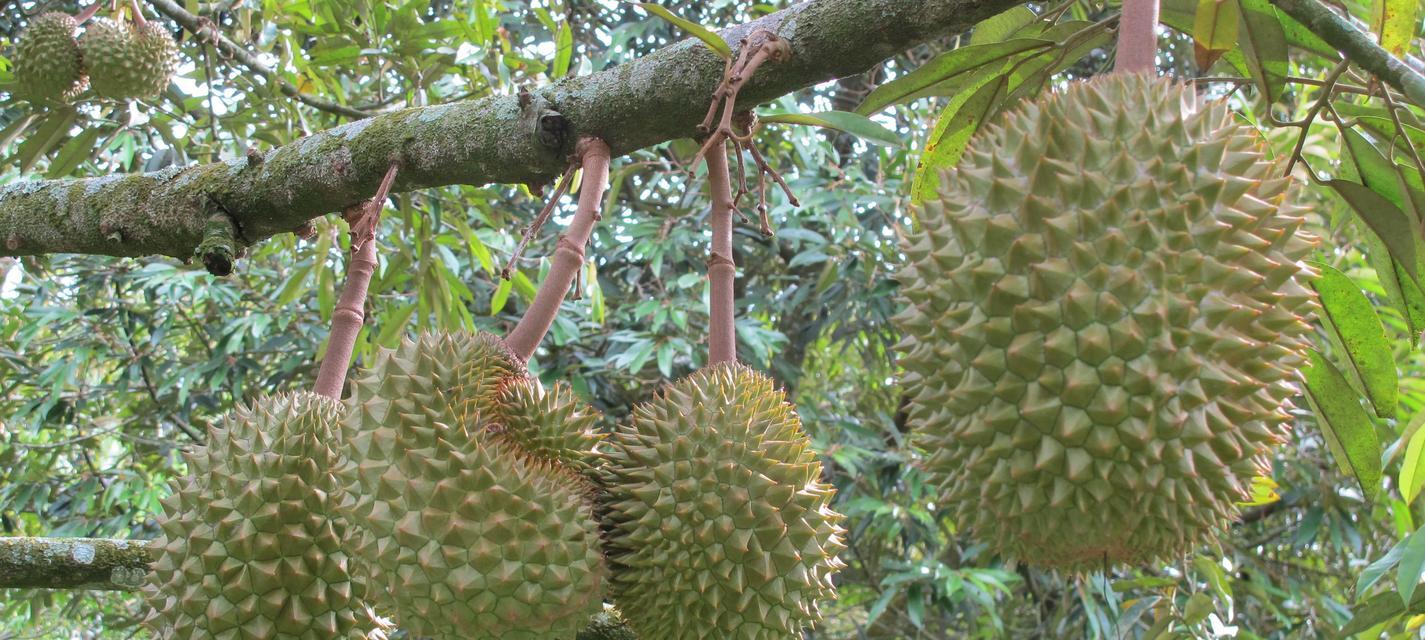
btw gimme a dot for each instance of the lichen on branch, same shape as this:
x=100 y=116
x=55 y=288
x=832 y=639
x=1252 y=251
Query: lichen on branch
x=497 y=139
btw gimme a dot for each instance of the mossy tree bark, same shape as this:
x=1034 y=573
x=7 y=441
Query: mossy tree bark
x=499 y=139
x=73 y=563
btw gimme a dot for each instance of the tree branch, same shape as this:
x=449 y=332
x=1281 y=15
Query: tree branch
x=1359 y=47
x=73 y=563
x=722 y=271
x=207 y=31
x=498 y=139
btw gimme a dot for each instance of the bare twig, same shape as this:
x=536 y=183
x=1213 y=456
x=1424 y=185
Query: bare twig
x=539 y=220
x=1305 y=123
x=350 y=310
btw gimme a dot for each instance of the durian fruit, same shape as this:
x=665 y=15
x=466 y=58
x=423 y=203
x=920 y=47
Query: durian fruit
x=717 y=523
x=469 y=535
x=250 y=545
x=48 y=65
x=127 y=62
x=550 y=425
x=1104 y=312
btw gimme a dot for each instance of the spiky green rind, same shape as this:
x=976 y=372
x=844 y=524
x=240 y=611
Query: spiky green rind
x=156 y=51
x=1104 y=313
x=468 y=535
x=48 y=65
x=126 y=62
x=718 y=526
x=250 y=545
x=552 y=424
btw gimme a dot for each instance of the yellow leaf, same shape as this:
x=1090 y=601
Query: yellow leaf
x=1214 y=30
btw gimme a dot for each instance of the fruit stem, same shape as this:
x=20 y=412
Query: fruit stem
x=89 y=12
x=594 y=156
x=722 y=271
x=1137 y=38
x=350 y=308
x=139 y=20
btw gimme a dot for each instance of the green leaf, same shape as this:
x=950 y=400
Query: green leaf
x=1344 y=422
x=1264 y=44
x=74 y=152
x=1002 y=25
x=564 y=50
x=1350 y=319
x=49 y=133
x=1400 y=288
x=714 y=41
x=1412 y=468
x=946 y=66
x=1375 y=170
x=1380 y=608
x=1373 y=573
x=1214 y=30
x=393 y=325
x=1395 y=21
x=501 y=295
x=293 y=287
x=1384 y=218
x=1198 y=607
x=852 y=123
x=958 y=122
x=1411 y=562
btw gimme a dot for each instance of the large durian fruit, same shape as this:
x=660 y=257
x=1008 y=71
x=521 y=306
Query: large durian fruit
x=251 y=546
x=1104 y=312
x=48 y=65
x=126 y=61
x=718 y=525
x=470 y=534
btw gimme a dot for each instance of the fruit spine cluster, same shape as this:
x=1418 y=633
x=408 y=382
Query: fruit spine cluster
x=119 y=60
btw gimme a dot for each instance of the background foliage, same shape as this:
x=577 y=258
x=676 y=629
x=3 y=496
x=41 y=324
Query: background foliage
x=108 y=367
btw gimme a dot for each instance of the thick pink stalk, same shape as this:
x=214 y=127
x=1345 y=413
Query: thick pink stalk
x=350 y=310
x=1137 y=37
x=593 y=154
x=722 y=271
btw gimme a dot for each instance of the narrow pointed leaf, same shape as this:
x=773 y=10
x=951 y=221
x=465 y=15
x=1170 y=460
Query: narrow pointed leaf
x=1384 y=218
x=852 y=123
x=946 y=66
x=1407 y=576
x=1412 y=468
x=1264 y=44
x=712 y=40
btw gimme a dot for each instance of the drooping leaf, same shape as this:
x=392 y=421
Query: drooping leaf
x=946 y=66
x=960 y=119
x=1001 y=26
x=1402 y=290
x=1389 y=223
x=1344 y=423
x=1264 y=45
x=852 y=123
x=711 y=39
x=563 y=50
x=1214 y=30
x=1353 y=323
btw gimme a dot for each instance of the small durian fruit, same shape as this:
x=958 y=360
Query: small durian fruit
x=551 y=425
x=157 y=53
x=1105 y=310
x=125 y=62
x=251 y=546
x=718 y=525
x=48 y=64
x=469 y=535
